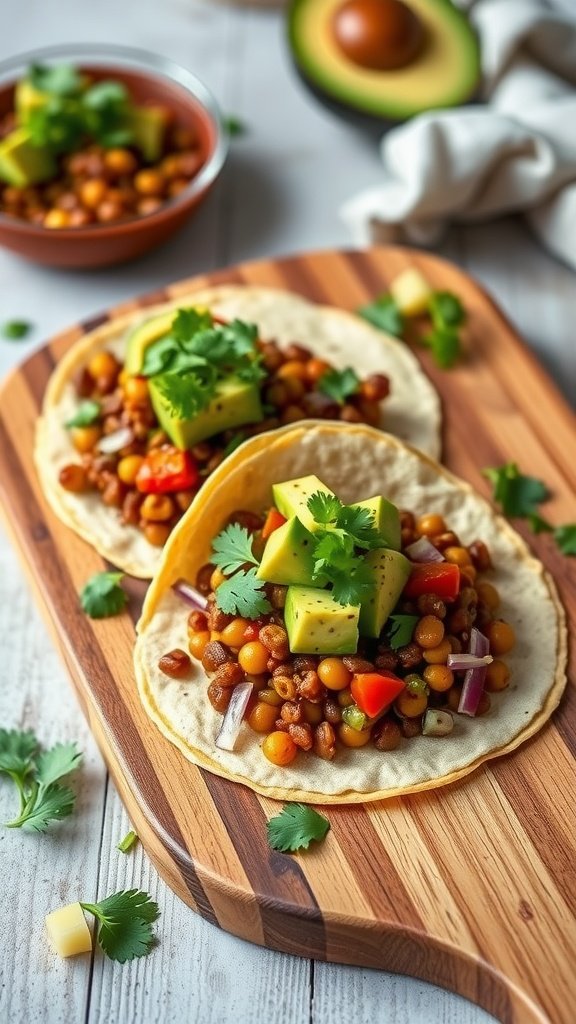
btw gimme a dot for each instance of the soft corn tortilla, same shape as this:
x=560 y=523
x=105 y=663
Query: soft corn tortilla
x=412 y=411
x=356 y=462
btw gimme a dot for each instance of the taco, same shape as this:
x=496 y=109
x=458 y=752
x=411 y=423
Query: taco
x=348 y=592
x=141 y=410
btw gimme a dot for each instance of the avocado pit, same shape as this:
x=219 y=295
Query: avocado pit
x=379 y=35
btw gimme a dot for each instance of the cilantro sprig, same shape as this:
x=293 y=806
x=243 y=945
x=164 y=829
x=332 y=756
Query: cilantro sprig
x=520 y=496
x=232 y=549
x=342 y=529
x=102 y=596
x=243 y=594
x=446 y=314
x=400 y=629
x=339 y=384
x=36 y=775
x=295 y=828
x=125 y=923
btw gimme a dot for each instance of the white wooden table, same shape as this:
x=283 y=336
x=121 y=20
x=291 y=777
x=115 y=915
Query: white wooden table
x=280 y=192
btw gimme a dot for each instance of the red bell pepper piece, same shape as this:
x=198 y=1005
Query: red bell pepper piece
x=441 y=578
x=375 y=691
x=274 y=519
x=167 y=469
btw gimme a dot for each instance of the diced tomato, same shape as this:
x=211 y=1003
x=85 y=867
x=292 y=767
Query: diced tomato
x=252 y=631
x=274 y=519
x=167 y=469
x=442 y=578
x=375 y=691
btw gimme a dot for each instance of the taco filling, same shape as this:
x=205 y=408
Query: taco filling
x=192 y=388
x=324 y=625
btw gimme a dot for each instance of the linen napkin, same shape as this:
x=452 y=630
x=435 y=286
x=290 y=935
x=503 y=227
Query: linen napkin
x=515 y=151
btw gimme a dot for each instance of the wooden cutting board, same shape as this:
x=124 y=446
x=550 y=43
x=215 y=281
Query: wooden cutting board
x=473 y=886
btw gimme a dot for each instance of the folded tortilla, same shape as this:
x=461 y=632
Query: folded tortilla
x=412 y=411
x=357 y=462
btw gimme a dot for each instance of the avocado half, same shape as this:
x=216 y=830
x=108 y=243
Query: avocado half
x=445 y=73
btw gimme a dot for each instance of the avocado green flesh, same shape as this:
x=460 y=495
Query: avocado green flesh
x=149 y=127
x=27 y=99
x=291 y=498
x=386 y=519
x=235 y=402
x=144 y=335
x=317 y=624
x=21 y=163
x=446 y=73
x=287 y=557
x=391 y=572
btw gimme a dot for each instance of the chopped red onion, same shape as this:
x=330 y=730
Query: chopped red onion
x=475 y=678
x=112 y=443
x=189 y=594
x=232 y=721
x=437 y=723
x=422 y=550
x=466 y=661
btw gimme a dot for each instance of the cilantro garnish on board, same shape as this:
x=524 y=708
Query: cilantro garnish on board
x=102 y=596
x=15 y=330
x=36 y=775
x=295 y=828
x=446 y=314
x=125 y=923
x=384 y=314
x=519 y=497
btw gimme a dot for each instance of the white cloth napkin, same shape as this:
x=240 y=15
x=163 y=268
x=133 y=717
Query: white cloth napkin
x=514 y=152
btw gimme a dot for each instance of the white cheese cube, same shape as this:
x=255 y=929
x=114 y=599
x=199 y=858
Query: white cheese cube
x=68 y=931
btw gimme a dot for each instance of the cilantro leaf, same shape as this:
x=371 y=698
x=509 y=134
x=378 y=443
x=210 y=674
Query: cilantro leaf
x=384 y=313
x=339 y=384
x=126 y=844
x=232 y=548
x=243 y=594
x=348 y=587
x=333 y=550
x=538 y=524
x=17 y=750
x=359 y=524
x=87 y=412
x=45 y=804
x=103 y=596
x=59 y=125
x=186 y=394
x=233 y=125
x=125 y=919
x=295 y=828
x=57 y=79
x=518 y=495
x=446 y=310
x=565 y=537
x=323 y=507
x=58 y=761
x=14 y=330
x=190 y=320
x=106 y=112
x=400 y=630
x=445 y=345
x=159 y=356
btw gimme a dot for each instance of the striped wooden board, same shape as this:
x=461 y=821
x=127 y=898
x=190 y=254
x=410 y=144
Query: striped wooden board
x=472 y=887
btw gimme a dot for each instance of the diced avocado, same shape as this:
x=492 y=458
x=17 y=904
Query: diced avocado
x=149 y=127
x=317 y=624
x=411 y=292
x=235 y=402
x=391 y=571
x=144 y=335
x=386 y=519
x=287 y=557
x=21 y=163
x=291 y=498
x=28 y=98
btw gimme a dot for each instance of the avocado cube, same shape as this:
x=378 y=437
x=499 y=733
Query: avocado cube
x=391 y=571
x=287 y=557
x=386 y=519
x=148 y=125
x=142 y=336
x=21 y=163
x=317 y=624
x=235 y=402
x=291 y=498
x=27 y=99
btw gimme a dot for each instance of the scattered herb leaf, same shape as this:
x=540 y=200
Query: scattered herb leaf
x=400 y=630
x=232 y=548
x=15 y=330
x=324 y=507
x=87 y=412
x=295 y=828
x=126 y=844
x=384 y=313
x=234 y=125
x=339 y=384
x=444 y=343
x=565 y=537
x=103 y=596
x=446 y=310
x=538 y=524
x=243 y=594
x=35 y=775
x=518 y=495
x=125 y=920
